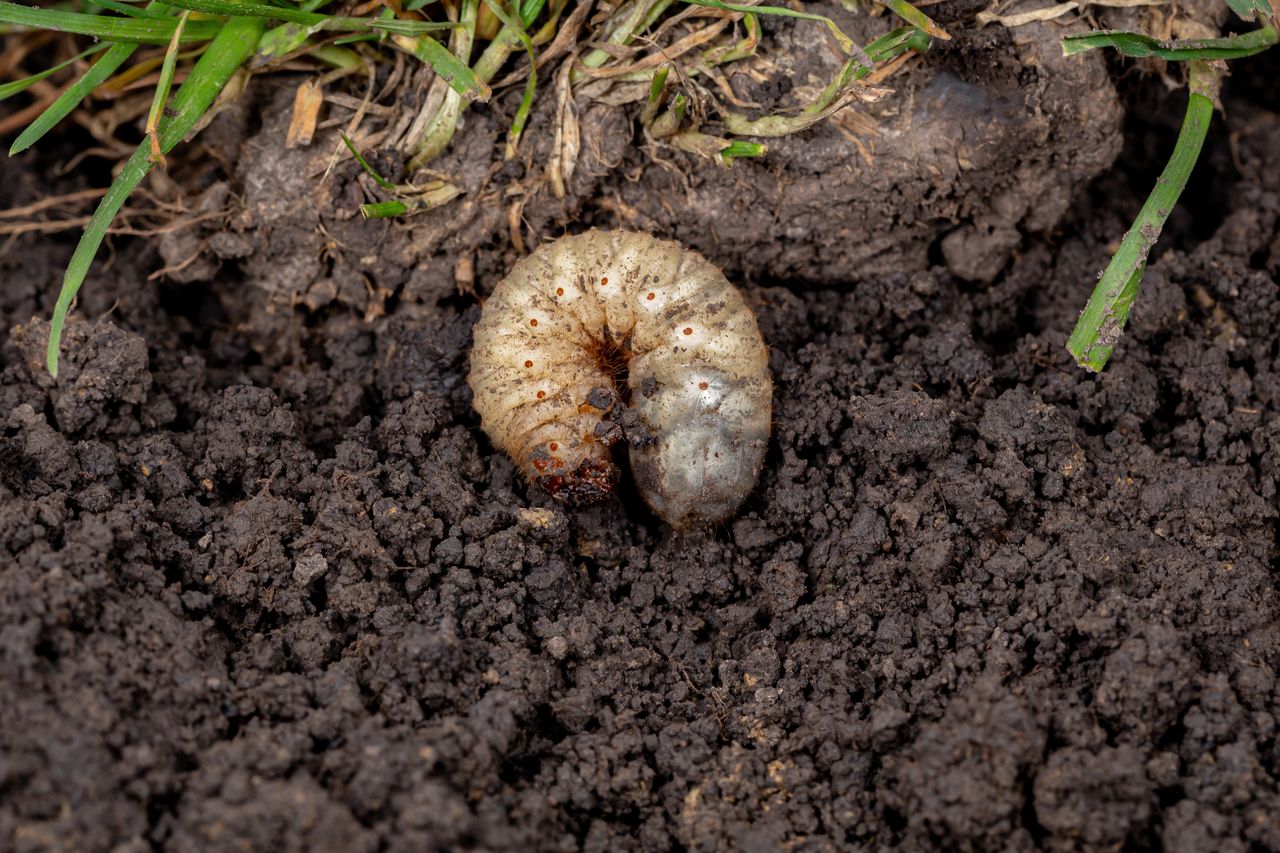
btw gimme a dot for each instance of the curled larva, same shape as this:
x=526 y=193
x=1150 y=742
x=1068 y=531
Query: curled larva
x=577 y=313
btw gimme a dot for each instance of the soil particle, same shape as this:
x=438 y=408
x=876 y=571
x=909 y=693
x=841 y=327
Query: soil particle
x=1095 y=800
x=104 y=367
x=961 y=782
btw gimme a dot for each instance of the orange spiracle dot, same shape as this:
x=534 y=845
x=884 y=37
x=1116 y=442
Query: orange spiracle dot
x=554 y=447
x=541 y=394
x=688 y=331
x=604 y=280
x=559 y=291
x=702 y=385
x=652 y=296
x=528 y=364
x=533 y=322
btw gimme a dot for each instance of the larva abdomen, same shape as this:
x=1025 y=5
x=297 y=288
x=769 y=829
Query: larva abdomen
x=576 y=311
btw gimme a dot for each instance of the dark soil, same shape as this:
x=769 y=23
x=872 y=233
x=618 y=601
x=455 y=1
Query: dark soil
x=266 y=586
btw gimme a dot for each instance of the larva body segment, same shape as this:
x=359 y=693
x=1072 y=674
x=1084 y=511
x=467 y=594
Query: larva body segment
x=584 y=306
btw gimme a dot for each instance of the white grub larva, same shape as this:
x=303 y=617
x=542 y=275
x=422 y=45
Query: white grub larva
x=578 y=312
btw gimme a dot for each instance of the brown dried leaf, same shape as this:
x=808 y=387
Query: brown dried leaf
x=564 y=150
x=307 y=101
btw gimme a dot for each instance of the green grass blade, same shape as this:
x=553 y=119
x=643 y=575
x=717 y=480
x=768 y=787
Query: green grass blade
x=846 y=43
x=10 y=89
x=364 y=164
x=1103 y=319
x=291 y=15
x=313 y=20
x=514 y=24
x=739 y=148
x=208 y=76
x=1138 y=45
x=1250 y=9
x=451 y=69
x=135 y=169
x=281 y=41
x=163 y=85
x=128 y=9
x=916 y=18
x=233 y=44
x=139 y=30
x=659 y=84
x=106 y=65
x=530 y=10
x=383 y=209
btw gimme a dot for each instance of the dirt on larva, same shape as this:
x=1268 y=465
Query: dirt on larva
x=264 y=584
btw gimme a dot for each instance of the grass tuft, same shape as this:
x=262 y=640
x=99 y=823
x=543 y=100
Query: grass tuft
x=626 y=54
x=1101 y=323
x=233 y=44
x=1104 y=317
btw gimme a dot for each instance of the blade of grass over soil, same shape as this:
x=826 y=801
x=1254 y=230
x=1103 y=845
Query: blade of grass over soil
x=10 y=89
x=1104 y=318
x=1249 y=9
x=157 y=31
x=107 y=64
x=916 y=18
x=516 y=25
x=846 y=43
x=451 y=69
x=364 y=164
x=233 y=44
x=163 y=85
x=1138 y=45
x=315 y=21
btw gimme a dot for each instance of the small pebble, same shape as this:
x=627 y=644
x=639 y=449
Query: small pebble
x=309 y=567
x=558 y=647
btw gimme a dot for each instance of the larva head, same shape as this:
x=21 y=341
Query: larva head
x=574 y=473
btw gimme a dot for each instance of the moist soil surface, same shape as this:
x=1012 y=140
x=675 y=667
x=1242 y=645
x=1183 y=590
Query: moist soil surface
x=267 y=586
